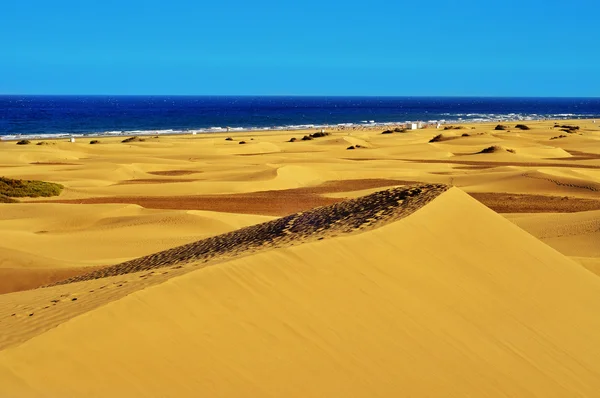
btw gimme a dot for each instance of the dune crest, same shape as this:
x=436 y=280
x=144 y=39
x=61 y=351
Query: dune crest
x=350 y=216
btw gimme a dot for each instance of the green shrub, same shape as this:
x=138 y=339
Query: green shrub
x=31 y=188
x=134 y=139
x=566 y=126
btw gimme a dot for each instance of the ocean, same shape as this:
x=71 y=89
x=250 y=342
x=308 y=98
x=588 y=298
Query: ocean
x=58 y=116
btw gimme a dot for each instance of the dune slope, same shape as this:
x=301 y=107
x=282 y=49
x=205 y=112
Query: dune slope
x=451 y=301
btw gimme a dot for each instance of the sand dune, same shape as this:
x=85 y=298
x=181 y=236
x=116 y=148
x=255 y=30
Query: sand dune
x=426 y=294
x=42 y=243
x=576 y=235
x=452 y=300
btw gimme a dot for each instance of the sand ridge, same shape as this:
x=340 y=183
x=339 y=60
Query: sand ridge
x=40 y=310
x=341 y=218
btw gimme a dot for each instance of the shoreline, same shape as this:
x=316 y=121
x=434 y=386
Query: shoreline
x=280 y=129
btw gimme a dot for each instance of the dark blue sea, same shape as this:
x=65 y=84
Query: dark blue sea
x=47 y=116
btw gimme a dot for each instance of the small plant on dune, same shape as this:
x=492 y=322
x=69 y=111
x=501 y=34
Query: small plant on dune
x=93 y=142
x=566 y=126
x=23 y=142
x=307 y=138
x=242 y=142
x=501 y=127
x=228 y=139
x=320 y=134
x=351 y=147
x=134 y=139
x=496 y=148
x=557 y=137
x=437 y=138
x=293 y=139
x=522 y=127
x=387 y=132
x=454 y=127
x=491 y=149
x=21 y=188
x=465 y=135
x=43 y=143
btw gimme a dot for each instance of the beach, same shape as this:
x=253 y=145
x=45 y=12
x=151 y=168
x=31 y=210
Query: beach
x=483 y=281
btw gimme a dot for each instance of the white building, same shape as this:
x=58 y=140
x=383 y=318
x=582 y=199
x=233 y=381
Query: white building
x=412 y=126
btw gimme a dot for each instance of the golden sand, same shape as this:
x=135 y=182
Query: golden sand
x=450 y=300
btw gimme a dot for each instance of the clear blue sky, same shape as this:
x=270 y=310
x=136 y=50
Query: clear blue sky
x=309 y=47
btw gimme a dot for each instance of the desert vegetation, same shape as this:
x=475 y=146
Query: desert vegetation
x=453 y=127
x=496 y=148
x=133 y=139
x=13 y=188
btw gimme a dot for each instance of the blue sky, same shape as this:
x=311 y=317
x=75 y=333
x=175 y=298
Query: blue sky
x=265 y=47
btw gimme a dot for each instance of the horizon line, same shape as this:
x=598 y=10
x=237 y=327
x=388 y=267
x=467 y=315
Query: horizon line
x=300 y=96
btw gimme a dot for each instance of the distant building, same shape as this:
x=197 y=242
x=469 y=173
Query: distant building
x=412 y=126
x=72 y=139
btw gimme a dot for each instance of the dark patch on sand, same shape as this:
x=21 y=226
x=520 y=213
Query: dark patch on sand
x=55 y=164
x=496 y=164
x=524 y=203
x=155 y=181
x=173 y=173
x=272 y=203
